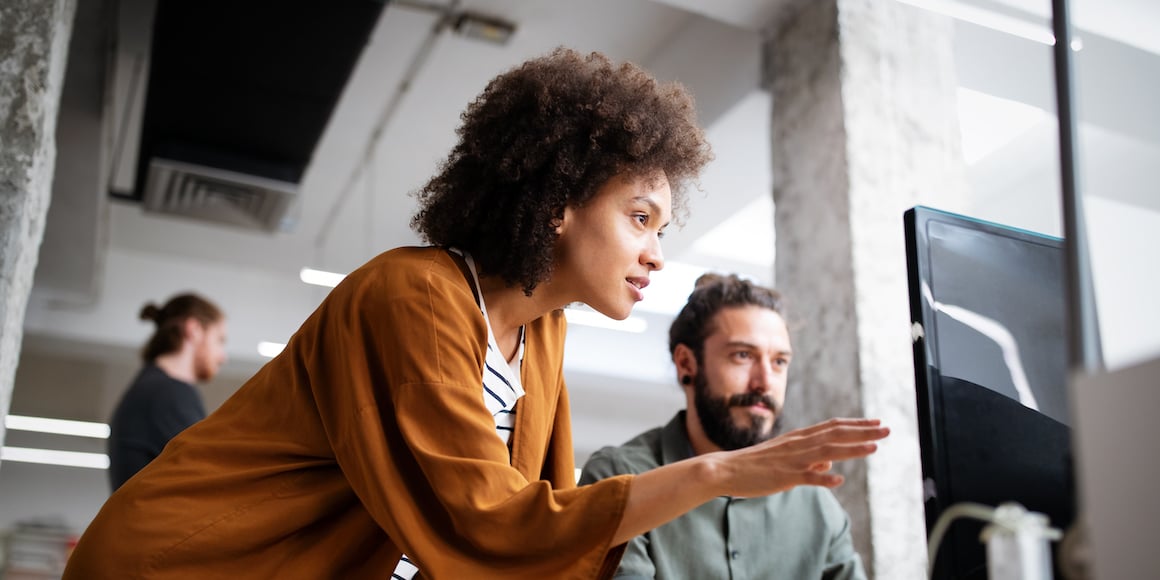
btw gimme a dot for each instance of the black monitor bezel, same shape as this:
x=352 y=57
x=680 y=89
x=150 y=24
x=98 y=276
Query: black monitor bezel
x=924 y=323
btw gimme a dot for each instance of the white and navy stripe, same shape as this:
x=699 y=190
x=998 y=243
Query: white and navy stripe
x=502 y=389
x=405 y=570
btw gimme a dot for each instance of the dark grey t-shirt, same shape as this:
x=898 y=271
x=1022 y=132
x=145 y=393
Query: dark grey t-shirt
x=800 y=534
x=154 y=410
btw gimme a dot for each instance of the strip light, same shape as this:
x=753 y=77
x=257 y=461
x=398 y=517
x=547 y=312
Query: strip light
x=57 y=426
x=55 y=457
x=670 y=288
x=598 y=320
x=320 y=277
x=270 y=349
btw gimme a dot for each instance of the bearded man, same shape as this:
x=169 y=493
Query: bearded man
x=731 y=348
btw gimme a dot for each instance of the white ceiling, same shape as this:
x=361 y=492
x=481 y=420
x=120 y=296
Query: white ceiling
x=355 y=197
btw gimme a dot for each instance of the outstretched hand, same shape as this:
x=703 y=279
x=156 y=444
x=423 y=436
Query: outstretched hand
x=800 y=457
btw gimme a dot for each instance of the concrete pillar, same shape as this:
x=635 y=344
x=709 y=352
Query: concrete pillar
x=864 y=126
x=34 y=36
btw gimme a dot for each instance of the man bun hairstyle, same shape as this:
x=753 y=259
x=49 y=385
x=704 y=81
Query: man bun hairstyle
x=547 y=135
x=711 y=294
x=170 y=320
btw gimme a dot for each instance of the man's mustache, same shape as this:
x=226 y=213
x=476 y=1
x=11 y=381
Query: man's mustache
x=752 y=398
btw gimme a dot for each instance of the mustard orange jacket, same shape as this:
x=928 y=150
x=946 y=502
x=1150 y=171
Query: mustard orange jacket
x=366 y=438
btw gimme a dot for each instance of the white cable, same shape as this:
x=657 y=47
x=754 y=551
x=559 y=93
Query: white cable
x=1010 y=516
x=971 y=510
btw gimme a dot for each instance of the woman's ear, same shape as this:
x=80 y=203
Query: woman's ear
x=561 y=223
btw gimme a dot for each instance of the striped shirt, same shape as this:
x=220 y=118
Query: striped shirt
x=405 y=570
x=502 y=389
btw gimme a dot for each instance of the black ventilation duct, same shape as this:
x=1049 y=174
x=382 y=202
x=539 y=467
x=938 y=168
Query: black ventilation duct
x=239 y=94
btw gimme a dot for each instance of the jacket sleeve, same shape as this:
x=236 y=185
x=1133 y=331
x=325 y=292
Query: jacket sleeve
x=561 y=467
x=396 y=373
x=635 y=564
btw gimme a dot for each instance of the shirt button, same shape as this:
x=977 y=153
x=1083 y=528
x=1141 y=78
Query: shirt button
x=735 y=554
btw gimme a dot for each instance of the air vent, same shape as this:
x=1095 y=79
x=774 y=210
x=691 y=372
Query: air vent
x=220 y=196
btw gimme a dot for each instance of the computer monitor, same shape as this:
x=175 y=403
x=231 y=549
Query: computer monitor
x=990 y=363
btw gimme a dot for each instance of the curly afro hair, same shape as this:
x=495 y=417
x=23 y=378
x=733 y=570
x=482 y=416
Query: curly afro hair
x=545 y=136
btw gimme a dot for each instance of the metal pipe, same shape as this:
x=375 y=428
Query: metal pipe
x=1085 y=352
x=446 y=17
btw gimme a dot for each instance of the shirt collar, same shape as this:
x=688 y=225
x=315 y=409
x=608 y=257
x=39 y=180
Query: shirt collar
x=675 y=444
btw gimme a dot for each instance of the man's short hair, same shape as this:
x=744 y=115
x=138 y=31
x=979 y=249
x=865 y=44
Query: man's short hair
x=711 y=294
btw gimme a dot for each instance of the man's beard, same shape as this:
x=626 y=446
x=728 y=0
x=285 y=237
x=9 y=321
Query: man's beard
x=203 y=368
x=717 y=420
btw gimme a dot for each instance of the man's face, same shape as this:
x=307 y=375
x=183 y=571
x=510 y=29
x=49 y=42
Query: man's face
x=739 y=386
x=210 y=351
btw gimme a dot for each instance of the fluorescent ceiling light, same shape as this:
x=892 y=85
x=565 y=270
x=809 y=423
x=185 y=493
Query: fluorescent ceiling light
x=270 y=349
x=487 y=28
x=745 y=237
x=598 y=320
x=57 y=426
x=989 y=123
x=669 y=288
x=55 y=457
x=320 y=277
x=1000 y=22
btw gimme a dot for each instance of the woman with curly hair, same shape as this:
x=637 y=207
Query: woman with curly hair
x=421 y=409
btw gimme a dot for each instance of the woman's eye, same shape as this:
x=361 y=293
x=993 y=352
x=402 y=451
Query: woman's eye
x=642 y=218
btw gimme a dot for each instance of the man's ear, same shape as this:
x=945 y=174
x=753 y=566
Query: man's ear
x=192 y=329
x=686 y=363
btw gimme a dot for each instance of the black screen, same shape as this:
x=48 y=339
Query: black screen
x=991 y=374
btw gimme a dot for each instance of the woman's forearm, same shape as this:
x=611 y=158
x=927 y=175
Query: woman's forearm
x=801 y=457
x=665 y=493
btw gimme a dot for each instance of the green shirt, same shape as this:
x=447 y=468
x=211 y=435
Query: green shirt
x=799 y=534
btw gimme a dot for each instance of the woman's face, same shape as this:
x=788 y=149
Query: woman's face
x=608 y=247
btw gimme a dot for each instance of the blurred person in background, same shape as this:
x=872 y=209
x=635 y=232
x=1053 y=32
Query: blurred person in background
x=187 y=347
